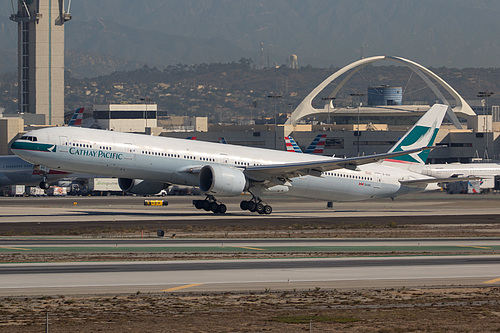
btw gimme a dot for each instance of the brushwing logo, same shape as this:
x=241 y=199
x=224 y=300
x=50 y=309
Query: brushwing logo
x=420 y=137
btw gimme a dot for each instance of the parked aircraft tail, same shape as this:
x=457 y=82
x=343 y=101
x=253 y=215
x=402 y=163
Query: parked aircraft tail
x=291 y=145
x=317 y=145
x=77 y=118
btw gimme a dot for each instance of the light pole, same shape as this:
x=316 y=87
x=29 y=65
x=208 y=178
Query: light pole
x=359 y=95
x=485 y=95
x=275 y=98
x=146 y=101
x=329 y=99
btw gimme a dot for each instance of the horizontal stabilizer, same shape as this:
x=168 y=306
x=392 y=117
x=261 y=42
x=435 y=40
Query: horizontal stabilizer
x=417 y=182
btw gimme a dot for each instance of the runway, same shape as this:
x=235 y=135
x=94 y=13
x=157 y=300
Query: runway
x=109 y=209
x=237 y=275
x=414 y=261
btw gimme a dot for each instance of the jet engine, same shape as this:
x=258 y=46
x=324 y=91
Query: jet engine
x=222 y=180
x=140 y=186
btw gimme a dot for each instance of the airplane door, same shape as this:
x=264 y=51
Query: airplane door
x=377 y=177
x=64 y=142
x=129 y=151
x=224 y=158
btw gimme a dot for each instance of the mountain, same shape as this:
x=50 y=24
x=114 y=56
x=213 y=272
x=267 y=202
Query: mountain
x=323 y=33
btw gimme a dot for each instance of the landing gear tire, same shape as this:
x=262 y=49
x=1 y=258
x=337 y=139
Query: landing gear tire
x=259 y=208
x=221 y=209
x=44 y=185
x=256 y=205
x=198 y=204
x=251 y=206
x=214 y=207
x=210 y=204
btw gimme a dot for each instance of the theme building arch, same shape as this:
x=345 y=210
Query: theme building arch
x=305 y=108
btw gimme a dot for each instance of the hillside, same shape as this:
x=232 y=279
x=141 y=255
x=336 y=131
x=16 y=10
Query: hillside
x=323 y=33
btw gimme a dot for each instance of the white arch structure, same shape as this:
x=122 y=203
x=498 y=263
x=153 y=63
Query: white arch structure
x=305 y=108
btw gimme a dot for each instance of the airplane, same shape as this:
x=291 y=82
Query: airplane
x=486 y=171
x=317 y=146
x=15 y=171
x=145 y=163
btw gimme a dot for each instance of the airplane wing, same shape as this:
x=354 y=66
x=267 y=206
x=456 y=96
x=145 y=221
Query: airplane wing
x=417 y=182
x=315 y=168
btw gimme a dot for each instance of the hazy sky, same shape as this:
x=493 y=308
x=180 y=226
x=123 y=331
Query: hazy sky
x=452 y=33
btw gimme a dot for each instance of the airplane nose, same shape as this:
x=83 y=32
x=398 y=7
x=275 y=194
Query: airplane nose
x=16 y=145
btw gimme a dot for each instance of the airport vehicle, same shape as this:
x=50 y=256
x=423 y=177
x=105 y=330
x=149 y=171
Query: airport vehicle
x=146 y=163
x=104 y=186
x=17 y=190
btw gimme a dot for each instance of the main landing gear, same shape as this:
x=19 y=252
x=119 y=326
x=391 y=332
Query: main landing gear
x=210 y=204
x=256 y=205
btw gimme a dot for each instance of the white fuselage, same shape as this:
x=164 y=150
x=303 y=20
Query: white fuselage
x=171 y=160
x=487 y=171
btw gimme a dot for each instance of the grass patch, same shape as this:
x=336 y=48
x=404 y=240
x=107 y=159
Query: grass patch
x=307 y=319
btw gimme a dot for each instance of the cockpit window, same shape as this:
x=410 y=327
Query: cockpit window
x=29 y=138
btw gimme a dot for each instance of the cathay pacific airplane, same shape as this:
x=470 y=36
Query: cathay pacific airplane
x=144 y=164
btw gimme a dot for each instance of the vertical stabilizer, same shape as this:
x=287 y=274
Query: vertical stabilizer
x=291 y=145
x=317 y=146
x=77 y=118
x=422 y=134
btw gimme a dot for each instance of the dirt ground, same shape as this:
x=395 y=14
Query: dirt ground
x=457 y=309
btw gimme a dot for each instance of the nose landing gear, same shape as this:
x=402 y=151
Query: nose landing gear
x=44 y=185
x=210 y=204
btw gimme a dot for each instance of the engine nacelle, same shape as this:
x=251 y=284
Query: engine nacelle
x=222 y=180
x=140 y=186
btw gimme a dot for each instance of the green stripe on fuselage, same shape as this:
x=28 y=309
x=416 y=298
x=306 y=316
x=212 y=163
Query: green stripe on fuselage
x=33 y=146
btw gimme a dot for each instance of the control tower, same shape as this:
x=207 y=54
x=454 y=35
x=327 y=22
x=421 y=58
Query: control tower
x=41 y=58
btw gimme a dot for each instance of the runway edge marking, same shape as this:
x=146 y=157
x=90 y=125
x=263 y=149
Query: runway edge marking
x=183 y=287
x=492 y=281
